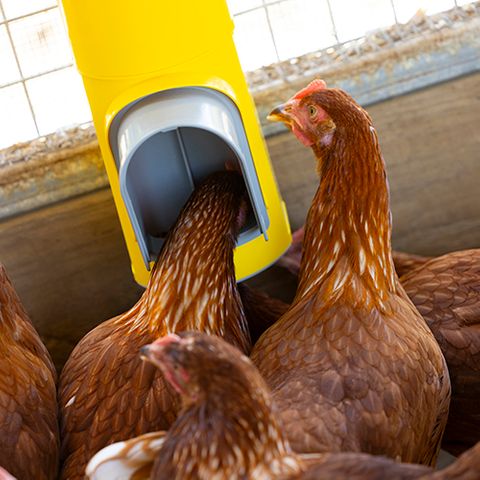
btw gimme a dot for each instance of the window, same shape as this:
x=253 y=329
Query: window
x=41 y=91
x=269 y=31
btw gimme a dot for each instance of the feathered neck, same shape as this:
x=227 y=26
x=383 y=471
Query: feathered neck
x=232 y=433
x=193 y=285
x=347 y=246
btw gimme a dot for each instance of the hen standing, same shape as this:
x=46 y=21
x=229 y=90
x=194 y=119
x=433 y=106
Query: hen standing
x=352 y=365
x=229 y=429
x=446 y=291
x=106 y=392
x=29 y=441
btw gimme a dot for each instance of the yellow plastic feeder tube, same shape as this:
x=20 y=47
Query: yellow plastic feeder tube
x=165 y=86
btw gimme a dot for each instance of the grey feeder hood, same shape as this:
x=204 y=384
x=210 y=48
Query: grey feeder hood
x=164 y=145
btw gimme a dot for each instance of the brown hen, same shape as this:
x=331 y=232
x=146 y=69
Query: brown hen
x=229 y=429
x=29 y=440
x=225 y=430
x=106 y=392
x=446 y=291
x=352 y=365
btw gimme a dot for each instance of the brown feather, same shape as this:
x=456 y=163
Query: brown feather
x=360 y=466
x=29 y=441
x=404 y=262
x=446 y=290
x=106 y=392
x=261 y=310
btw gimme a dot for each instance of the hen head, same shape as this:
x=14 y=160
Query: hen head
x=316 y=114
x=201 y=366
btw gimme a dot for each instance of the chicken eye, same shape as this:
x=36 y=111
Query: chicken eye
x=312 y=110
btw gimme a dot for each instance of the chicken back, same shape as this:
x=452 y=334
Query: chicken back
x=352 y=364
x=446 y=291
x=29 y=442
x=361 y=466
x=106 y=392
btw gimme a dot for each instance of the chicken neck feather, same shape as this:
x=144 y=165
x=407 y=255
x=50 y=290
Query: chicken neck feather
x=347 y=247
x=193 y=285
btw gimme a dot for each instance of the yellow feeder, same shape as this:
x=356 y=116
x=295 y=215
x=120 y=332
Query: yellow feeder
x=170 y=105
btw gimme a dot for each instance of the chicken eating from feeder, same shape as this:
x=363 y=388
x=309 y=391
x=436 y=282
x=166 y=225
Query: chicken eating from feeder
x=171 y=105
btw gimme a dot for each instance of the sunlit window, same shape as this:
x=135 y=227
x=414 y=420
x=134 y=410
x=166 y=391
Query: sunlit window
x=269 y=31
x=40 y=90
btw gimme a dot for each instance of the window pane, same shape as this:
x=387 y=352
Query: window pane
x=58 y=100
x=296 y=33
x=16 y=122
x=8 y=66
x=41 y=43
x=237 y=6
x=17 y=8
x=253 y=40
x=406 y=9
x=354 y=19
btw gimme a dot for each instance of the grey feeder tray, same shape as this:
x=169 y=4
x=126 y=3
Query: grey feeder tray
x=164 y=145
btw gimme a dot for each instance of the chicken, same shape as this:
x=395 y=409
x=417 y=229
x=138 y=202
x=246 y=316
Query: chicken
x=446 y=291
x=229 y=428
x=29 y=441
x=192 y=286
x=351 y=364
x=225 y=430
x=261 y=310
x=404 y=262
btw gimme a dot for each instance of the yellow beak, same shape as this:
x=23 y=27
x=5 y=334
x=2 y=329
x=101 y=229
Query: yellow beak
x=280 y=114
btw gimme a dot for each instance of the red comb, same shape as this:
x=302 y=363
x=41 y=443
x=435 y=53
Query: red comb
x=313 y=86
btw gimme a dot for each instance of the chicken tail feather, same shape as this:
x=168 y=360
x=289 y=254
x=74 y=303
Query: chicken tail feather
x=128 y=460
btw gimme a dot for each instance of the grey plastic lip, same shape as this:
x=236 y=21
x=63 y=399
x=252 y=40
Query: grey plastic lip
x=178 y=110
